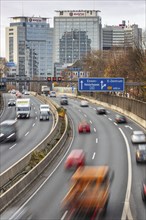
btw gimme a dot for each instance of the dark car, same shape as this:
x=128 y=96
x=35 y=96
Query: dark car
x=141 y=153
x=143 y=190
x=100 y=110
x=64 y=101
x=44 y=115
x=11 y=102
x=120 y=119
x=8 y=131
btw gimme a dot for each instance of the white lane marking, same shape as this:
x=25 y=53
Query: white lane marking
x=64 y=215
x=90 y=122
x=33 y=125
x=110 y=119
x=27 y=133
x=127 y=126
x=94 y=109
x=108 y=112
x=95 y=129
x=36 y=118
x=79 y=110
x=36 y=113
x=126 y=210
x=12 y=146
x=105 y=115
x=85 y=115
x=37 y=190
x=34 y=107
x=115 y=123
x=93 y=156
x=96 y=140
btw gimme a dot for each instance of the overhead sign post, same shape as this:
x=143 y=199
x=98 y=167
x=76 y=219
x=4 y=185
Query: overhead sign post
x=101 y=84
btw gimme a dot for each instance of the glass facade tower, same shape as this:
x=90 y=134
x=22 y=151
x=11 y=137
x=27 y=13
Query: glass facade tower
x=75 y=34
x=30 y=46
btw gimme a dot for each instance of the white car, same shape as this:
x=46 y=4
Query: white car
x=45 y=107
x=138 y=137
x=52 y=94
x=84 y=103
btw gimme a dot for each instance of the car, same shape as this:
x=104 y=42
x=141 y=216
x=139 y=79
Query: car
x=84 y=127
x=64 y=96
x=84 y=103
x=75 y=159
x=8 y=131
x=26 y=92
x=141 y=153
x=45 y=107
x=44 y=115
x=52 y=94
x=11 y=102
x=143 y=190
x=120 y=119
x=100 y=110
x=138 y=137
x=64 y=101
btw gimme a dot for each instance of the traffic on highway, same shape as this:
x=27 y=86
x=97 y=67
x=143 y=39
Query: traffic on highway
x=100 y=175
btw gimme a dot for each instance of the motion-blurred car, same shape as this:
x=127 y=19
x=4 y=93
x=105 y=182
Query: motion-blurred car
x=75 y=159
x=84 y=127
x=84 y=103
x=100 y=110
x=52 y=94
x=120 y=119
x=44 y=116
x=143 y=190
x=11 y=102
x=141 y=153
x=8 y=131
x=138 y=137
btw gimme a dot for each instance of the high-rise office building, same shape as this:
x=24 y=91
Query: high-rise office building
x=75 y=34
x=29 y=44
x=122 y=36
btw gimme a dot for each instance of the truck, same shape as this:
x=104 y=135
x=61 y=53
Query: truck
x=23 y=108
x=45 y=90
x=88 y=194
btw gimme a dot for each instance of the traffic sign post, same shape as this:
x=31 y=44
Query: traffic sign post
x=101 y=84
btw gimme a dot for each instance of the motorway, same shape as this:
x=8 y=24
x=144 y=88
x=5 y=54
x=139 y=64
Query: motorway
x=106 y=144
x=30 y=132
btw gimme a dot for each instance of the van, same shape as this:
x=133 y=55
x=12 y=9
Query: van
x=45 y=107
x=8 y=131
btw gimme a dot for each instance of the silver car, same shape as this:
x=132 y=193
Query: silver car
x=44 y=115
x=138 y=137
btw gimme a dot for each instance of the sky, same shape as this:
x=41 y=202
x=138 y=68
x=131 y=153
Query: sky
x=112 y=11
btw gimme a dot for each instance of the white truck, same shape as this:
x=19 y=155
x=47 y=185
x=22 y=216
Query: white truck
x=23 y=108
x=45 y=90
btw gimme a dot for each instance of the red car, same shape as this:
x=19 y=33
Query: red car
x=143 y=191
x=75 y=159
x=84 y=127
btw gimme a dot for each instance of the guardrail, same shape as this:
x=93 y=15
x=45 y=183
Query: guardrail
x=12 y=193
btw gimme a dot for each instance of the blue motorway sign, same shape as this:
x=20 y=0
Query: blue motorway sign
x=101 y=84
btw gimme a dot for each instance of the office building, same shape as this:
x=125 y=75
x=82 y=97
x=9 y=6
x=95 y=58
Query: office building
x=122 y=36
x=75 y=34
x=29 y=44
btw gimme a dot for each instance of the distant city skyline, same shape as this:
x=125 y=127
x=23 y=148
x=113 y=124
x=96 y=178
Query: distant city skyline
x=112 y=12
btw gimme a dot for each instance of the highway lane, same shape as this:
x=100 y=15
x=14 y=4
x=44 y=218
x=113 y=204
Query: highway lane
x=105 y=145
x=101 y=148
x=30 y=132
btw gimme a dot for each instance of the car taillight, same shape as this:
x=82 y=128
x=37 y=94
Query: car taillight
x=144 y=189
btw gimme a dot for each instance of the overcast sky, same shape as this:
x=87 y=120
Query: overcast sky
x=112 y=11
